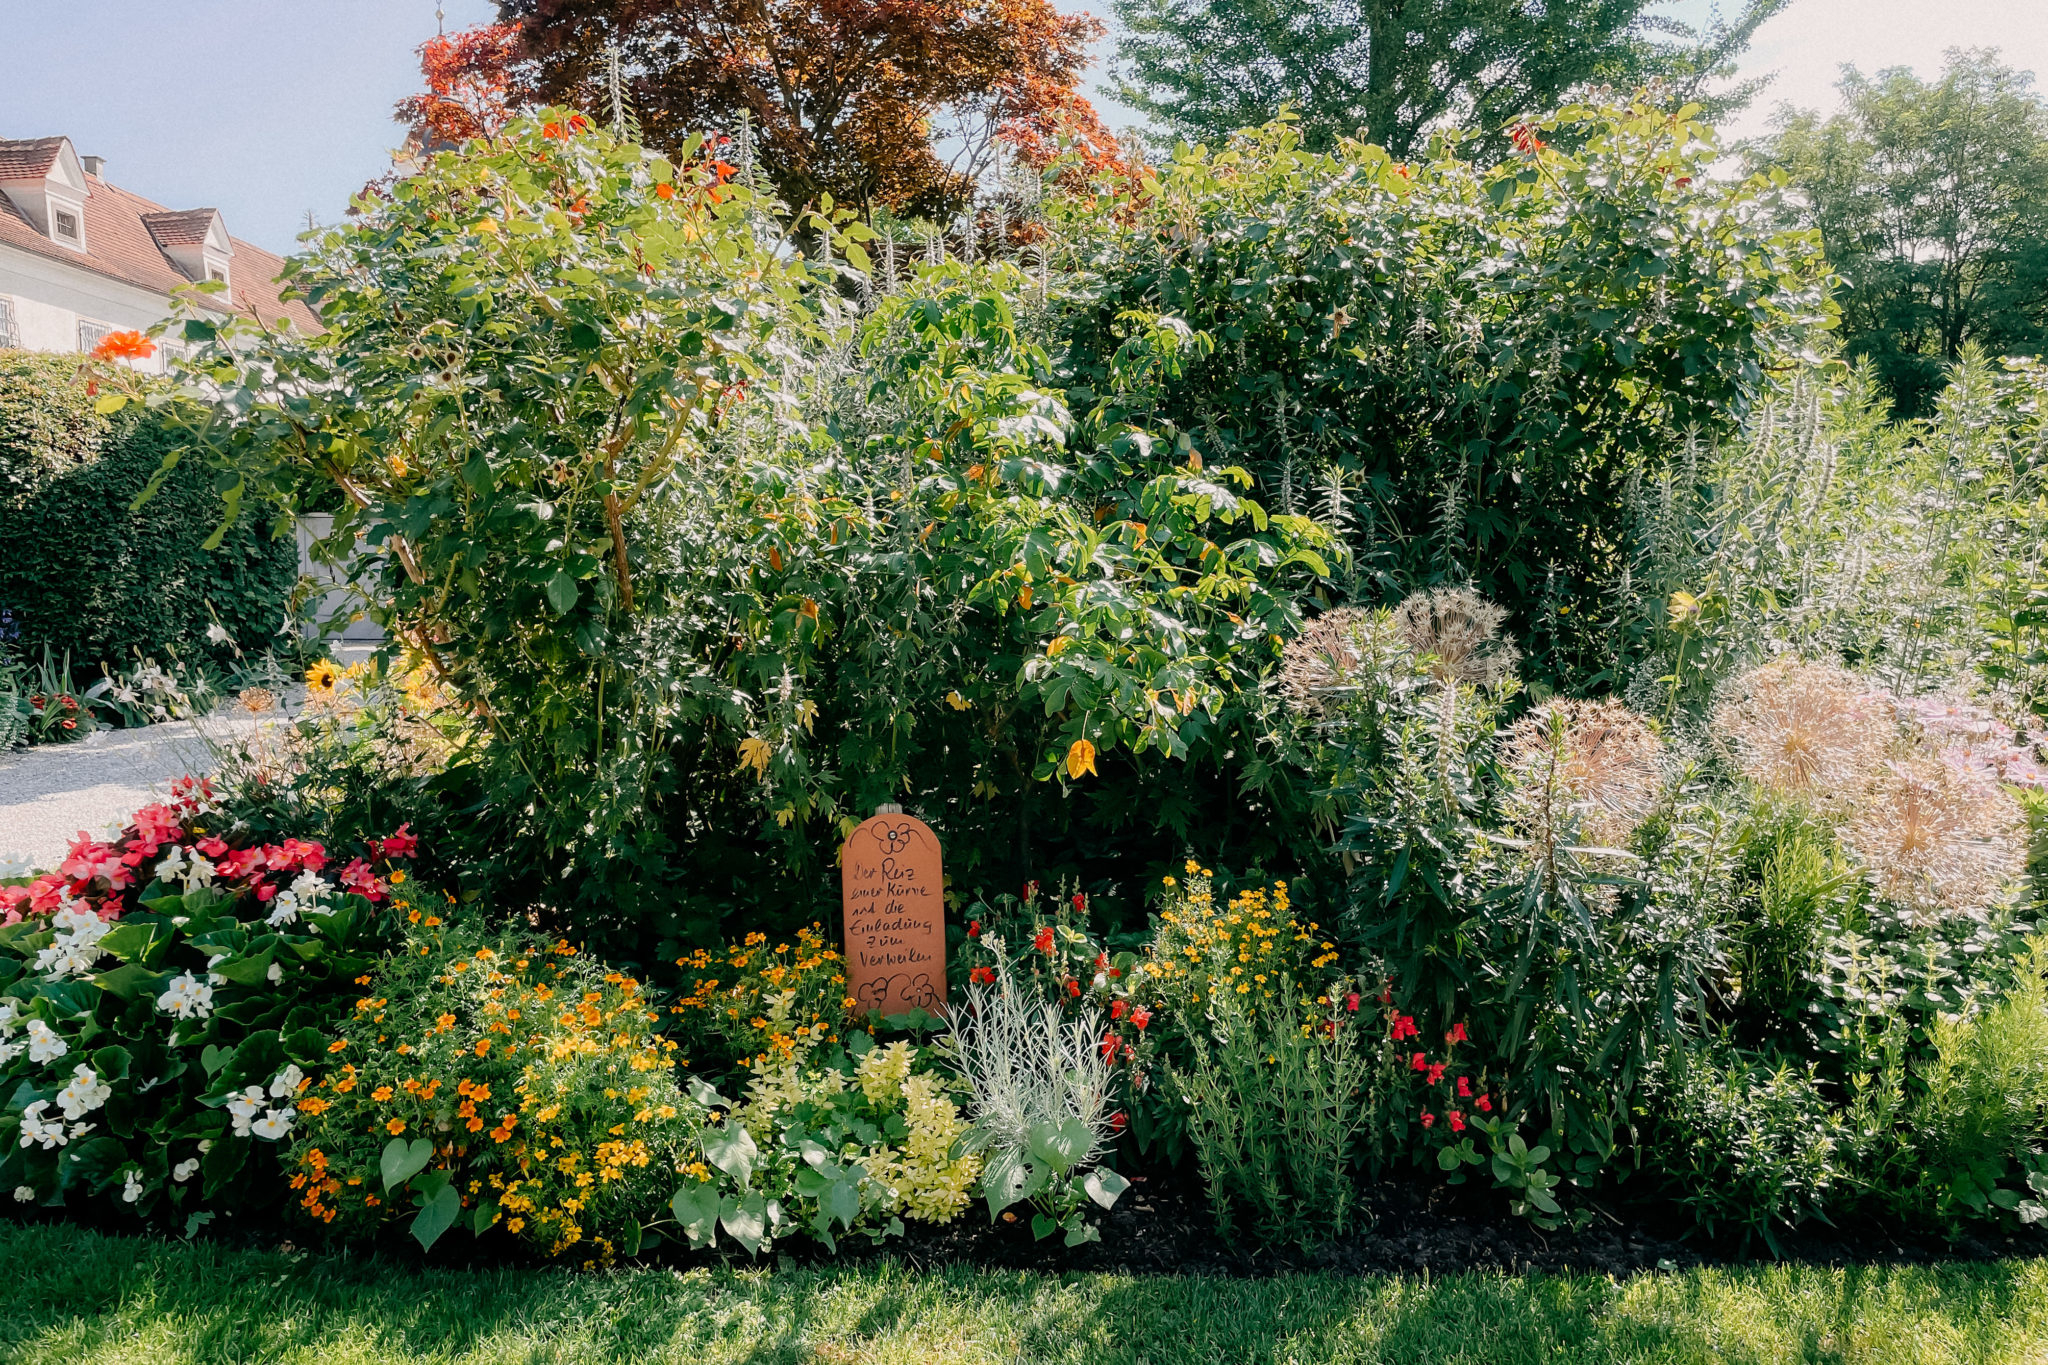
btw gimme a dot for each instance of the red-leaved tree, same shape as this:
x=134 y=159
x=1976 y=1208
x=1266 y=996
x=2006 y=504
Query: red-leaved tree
x=469 y=87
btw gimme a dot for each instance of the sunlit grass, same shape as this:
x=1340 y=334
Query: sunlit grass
x=79 y=1298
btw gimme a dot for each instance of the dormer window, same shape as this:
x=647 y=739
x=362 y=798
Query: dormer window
x=64 y=226
x=216 y=272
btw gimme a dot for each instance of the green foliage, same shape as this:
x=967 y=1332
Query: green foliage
x=1749 y=1145
x=1460 y=370
x=1929 y=196
x=164 y=1079
x=1278 y=1094
x=90 y=577
x=1394 y=73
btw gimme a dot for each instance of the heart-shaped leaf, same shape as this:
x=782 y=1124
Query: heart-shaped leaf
x=1061 y=1146
x=696 y=1211
x=841 y=1201
x=746 y=1220
x=730 y=1147
x=403 y=1160
x=437 y=1217
x=1104 y=1186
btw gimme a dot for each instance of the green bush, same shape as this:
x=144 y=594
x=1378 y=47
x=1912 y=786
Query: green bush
x=1463 y=368
x=83 y=574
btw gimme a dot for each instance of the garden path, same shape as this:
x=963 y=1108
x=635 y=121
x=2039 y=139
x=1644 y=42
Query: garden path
x=50 y=792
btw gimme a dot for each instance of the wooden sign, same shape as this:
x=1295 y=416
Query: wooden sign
x=893 y=891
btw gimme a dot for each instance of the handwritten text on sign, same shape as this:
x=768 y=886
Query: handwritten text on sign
x=892 y=888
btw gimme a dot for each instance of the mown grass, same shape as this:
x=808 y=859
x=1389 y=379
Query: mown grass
x=74 y=1297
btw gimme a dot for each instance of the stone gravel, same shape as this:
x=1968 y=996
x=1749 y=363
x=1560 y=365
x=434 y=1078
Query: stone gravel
x=51 y=792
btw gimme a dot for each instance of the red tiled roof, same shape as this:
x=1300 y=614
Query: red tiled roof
x=184 y=227
x=120 y=244
x=28 y=158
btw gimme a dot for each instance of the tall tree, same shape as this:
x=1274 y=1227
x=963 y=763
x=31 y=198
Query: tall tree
x=881 y=103
x=1397 y=69
x=1932 y=202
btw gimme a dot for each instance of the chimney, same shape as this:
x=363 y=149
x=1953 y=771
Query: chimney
x=94 y=165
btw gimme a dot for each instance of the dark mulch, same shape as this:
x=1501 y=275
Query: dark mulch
x=1162 y=1225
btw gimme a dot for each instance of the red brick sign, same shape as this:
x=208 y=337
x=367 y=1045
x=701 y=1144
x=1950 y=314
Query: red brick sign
x=892 y=888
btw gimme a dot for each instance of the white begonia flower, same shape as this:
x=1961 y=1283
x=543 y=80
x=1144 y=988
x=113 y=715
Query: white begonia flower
x=275 y=974
x=86 y=1093
x=186 y=866
x=188 y=998
x=275 y=1124
x=131 y=1187
x=76 y=948
x=217 y=634
x=8 y=1015
x=205 y=1145
x=286 y=1082
x=43 y=1043
x=308 y=887
x=35 y=1129
x=24 y=1194
x=14 y=866
x=284 y=909
x=183 y=1171
x=244 y=1107
x=214 y=978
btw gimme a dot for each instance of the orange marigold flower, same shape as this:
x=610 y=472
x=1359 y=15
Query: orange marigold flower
x=395 y=1127
x=337 y=1045
x=381 y=1093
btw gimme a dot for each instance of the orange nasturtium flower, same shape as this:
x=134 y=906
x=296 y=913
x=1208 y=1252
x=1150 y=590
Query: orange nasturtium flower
x=1080 y=758
x=124 y=346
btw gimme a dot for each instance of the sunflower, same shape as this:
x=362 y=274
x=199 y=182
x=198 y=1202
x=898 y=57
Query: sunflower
x=321 y=677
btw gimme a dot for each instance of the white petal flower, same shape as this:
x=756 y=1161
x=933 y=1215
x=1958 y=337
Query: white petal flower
x=308 y=887
x=183 y=1171
x=205 y=1145
x=275 y=974
x=244 y=1107
x=35 y=1129
x=76 y=947
x=172 y=868
x=85 y=1093
x=284 y=909
x=217 y=634
x=24 y=1194
x=131 y=1187
x=43 y=1043
x=275 y=1124
x=8 y=1015
x=188 y=998
x=286 y=1082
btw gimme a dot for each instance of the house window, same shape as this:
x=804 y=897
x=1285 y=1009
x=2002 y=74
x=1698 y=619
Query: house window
x=91 y=334
x=8 y=335
x=64 y=226
x=217 y=272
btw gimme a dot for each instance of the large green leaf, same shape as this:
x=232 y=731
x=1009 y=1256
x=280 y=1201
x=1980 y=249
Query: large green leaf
x=730 y=1147
x=696 y=1211
x=403 y=1160
x=437 y=1217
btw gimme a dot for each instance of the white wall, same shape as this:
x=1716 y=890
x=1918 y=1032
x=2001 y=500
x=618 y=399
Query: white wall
x=50 y=297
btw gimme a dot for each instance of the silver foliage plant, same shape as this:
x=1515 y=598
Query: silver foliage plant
x=1040 y=1102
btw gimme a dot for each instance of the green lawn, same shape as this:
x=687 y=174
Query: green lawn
x=74 y=1297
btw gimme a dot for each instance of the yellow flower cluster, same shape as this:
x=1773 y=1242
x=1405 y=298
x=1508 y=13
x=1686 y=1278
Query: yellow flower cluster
x=1246 y=948
x=755 y=1002
x=532 y=1069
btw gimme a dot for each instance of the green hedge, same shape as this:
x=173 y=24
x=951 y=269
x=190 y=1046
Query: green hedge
x=79 y=571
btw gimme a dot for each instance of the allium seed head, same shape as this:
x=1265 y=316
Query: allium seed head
x=1457 y=634
x=1596 y=760
x=1936 y=843
x=1811 y=730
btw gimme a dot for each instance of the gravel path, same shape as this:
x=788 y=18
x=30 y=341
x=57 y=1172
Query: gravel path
x=51 y=792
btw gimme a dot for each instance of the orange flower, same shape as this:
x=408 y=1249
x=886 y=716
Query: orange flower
x=483 y=1047
x=381 y=1093
x=664 y=191
x=337 y=1045
x=1080 y=758
x=124 y=346
x=395 y=1127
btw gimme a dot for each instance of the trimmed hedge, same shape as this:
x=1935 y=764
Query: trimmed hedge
x=79 y=571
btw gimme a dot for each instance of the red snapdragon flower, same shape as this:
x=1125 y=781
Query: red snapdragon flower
x=1436 y=1072
x=1483 y=1104
x=982 y=976
x=1117 y=1121
x=1457 y=1121
x=1117 y=1008
x=1464 y=1087
x=1456 y=1035
x=1073 y=988
x=1080 y=903
x=1141 y=1017
x=1042 y=940
x=1418 y=1063
x=1351 y=1002
x=1429 y=1120
x=1404 y=1027
x=1109 y=1047
x=974 y=928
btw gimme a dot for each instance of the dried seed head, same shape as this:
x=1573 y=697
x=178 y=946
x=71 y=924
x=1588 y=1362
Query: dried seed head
x=1810 y=730
x=1935 y=842
x=1597 y=761
x=1456 y=633
x=1330 y=652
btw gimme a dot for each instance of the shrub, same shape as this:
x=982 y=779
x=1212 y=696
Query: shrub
x=88 y=576
x=487 y=1078
x=1749 y=1145
x=167 y=1075
x=754 y=1004
x=1462 y=367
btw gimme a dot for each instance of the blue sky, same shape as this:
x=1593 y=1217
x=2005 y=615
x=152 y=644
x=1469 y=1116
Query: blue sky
x=266 y=109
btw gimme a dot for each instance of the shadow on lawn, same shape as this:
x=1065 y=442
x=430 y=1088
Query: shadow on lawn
x=80 y=1296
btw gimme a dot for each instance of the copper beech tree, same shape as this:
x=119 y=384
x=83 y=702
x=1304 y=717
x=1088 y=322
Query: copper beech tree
x=881 y=103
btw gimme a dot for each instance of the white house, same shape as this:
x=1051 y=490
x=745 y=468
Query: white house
x=80 y=258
